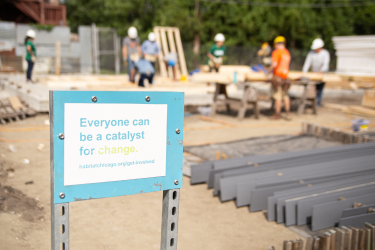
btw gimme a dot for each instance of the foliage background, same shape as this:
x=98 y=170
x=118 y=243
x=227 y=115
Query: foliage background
x=243 y=25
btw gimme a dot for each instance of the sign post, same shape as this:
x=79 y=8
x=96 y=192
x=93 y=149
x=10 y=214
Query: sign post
x=108 y=144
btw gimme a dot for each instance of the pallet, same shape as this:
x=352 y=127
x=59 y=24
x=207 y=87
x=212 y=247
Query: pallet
x=170 y=36
x=12 y=109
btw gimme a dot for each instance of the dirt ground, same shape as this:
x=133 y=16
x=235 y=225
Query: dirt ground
x=133 y=222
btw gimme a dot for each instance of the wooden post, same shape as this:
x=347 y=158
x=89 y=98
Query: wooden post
x=58 y=58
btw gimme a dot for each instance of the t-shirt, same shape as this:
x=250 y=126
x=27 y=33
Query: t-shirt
x=282 y=57
x=217 y=52
x=317 y=61
x=150 y=48
x=144 y=67
x=33 y=49
x=131 y=45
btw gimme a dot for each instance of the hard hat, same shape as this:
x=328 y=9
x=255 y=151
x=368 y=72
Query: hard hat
x=265 y=45
x=219 y=37
x=279 y=39
x=31 y=33
x=152 y=37
x=132 y=32
x=317 y=44
x=171 y=63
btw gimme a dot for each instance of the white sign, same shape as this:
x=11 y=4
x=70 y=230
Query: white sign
x=114 y=142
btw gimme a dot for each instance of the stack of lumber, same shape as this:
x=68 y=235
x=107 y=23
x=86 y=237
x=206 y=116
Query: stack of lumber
x=354 y=109
x=333 y=134
x=344 y=237
x=296 y=188
x=244 y=73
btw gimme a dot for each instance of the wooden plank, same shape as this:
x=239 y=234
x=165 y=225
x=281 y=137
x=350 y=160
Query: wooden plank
x=15 y=102
x=333 y=239
x=372 y=234
x=362 y=237
x=172 y=47
x=309 y=243
x=348 y=238
x=340 y=238
x=316 y=244
x=58 y=58
x=165 y=49
x=180 y=51
x=163 y=69
x=369 y=98
x=355 y=238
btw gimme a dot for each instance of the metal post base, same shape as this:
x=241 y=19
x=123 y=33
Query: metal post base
x=60 y=226
x=169 y=225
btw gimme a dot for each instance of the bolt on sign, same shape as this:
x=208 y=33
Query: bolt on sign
x=107 y=144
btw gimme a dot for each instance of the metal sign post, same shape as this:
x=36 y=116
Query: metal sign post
x=108 y=144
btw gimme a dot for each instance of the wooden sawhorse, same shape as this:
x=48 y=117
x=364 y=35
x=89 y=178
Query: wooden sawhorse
x=245 y=102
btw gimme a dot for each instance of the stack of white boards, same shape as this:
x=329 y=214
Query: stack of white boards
x=355 y=55
x=296 y=188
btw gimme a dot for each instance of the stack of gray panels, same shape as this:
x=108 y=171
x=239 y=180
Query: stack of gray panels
x=312 y=186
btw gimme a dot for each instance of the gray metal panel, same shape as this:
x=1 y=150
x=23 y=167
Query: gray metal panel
x=356 y=211
x=328 y=214
x=85 y=49
x=228 y=185
x=8 y=32
x=43 y=37
x=324 y=159
x=199 y=172
x=261 y=189
x=281 y=160
x=50 y=51
x=274 y=157
x=227 y=164
x=358 y=220
x=259 y=195
x=304 y=207
x=316 y=193
x=291 y=204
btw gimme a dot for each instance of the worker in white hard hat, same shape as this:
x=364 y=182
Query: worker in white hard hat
x=318 y=60
x=150 y=49
x=216 y=53
x=30 y=53
x=131 y=51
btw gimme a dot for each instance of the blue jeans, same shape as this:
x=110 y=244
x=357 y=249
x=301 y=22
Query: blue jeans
x=149 y=77
x=30 y=65
x=319 y=92
x=131 y=66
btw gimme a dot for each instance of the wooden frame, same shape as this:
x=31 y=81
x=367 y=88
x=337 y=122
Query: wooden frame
x=169 y=40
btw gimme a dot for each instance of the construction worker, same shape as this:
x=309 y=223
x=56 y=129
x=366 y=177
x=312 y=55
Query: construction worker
x=170 y=60
x=146 y=71
x=30 y=53
x=280 y=69
x=264 y=55
x=131 y=51
x=318 y=59
x=216 y=53
x=150 y=49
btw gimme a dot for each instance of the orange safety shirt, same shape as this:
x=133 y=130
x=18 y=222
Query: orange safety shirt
x=282 y=57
